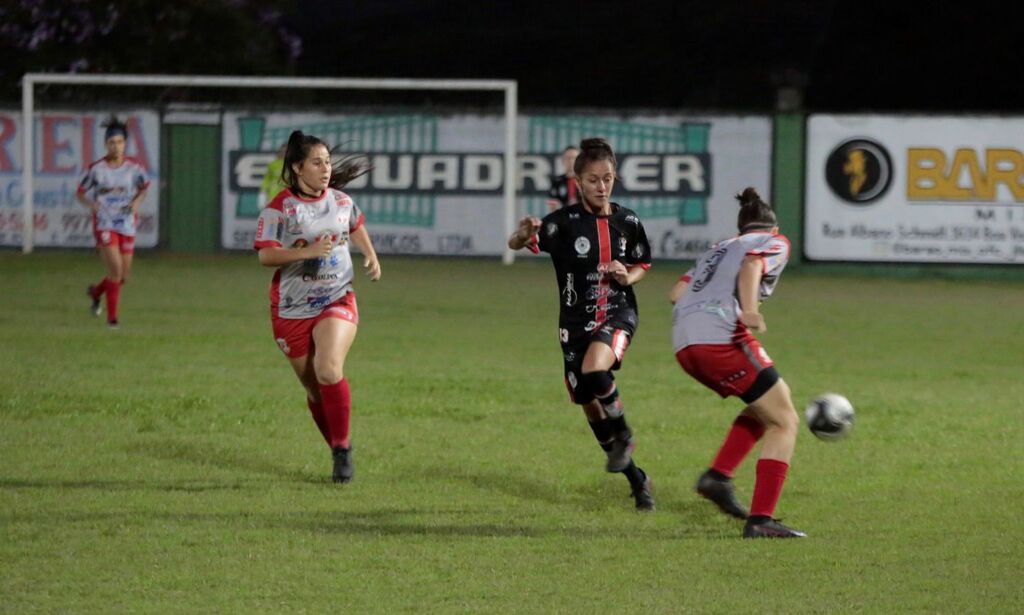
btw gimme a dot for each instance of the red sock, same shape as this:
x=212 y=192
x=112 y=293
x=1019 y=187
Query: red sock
x=113 y=296
x=337 y=404
x=317 y=410
x=771 y=474
x=744 y=434
x=99 y=289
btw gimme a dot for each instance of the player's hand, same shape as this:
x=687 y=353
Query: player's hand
x=372 y=267
x=528 y=227
x=617 y=270
x=754 y=321
x=323 y=246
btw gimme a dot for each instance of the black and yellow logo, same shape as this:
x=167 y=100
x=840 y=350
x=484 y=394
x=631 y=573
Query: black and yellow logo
x=859 y=171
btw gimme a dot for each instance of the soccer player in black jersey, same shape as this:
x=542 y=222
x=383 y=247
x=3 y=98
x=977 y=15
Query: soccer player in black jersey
x=564 y=190
x=599 y=250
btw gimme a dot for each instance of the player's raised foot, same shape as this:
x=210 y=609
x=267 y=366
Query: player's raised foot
x=766 y=527
x=113 y=325
x=95 y=308
x=721 y=493
x=642 y=494
x=344 y=469
x=620 y=454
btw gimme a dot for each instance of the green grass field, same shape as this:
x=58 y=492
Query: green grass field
x=172 y=466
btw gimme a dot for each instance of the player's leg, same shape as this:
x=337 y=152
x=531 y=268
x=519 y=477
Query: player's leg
x=126 y=250
x=596 y=375
x=611 y=429
x=110 y=254
x=333 y=338
x=776 y=412
x=715 y=483
x=303 y=367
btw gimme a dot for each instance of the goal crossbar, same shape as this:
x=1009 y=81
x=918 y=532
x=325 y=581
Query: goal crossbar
x=29 y=81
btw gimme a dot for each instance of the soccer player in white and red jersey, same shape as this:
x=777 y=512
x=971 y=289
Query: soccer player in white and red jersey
x=599 y=250
x=716 y=307
x=305 y=232
x=112 y=188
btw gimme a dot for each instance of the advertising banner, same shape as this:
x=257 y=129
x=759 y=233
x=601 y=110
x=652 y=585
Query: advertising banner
x=436 y=186
x=66 y=143
x=906 y=189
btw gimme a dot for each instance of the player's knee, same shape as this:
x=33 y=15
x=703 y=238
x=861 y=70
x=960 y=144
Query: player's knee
x=600 y=383
x=328 y=371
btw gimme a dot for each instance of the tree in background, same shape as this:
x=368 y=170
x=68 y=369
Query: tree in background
x=225 y=37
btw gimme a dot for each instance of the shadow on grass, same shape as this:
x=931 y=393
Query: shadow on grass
x=196 y=486
x=374 y=523
x=211 y=455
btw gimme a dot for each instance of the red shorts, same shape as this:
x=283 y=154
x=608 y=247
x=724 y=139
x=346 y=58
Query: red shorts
x=126 y=243
x=726 y=369
x=295 y=336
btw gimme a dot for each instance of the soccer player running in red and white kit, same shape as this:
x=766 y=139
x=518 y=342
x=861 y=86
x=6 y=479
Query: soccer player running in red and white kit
x=599 y=250
x=716 y=307
x=304 y=232
x=113 y=188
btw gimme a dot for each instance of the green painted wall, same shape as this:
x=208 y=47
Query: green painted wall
x=788 y=154
x=193 y=188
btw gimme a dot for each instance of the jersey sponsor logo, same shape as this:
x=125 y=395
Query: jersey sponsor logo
x=283 y=345
x=551 y=229
x=582 y=246
x=622 y=246
x=569 y=291
x=572 y=380
x=633 y=219
x=638 y=251
x=307 y=277
x=590 y=326
x=563 y=334
x=858 y=171
x=708 y=272
x=570 y=357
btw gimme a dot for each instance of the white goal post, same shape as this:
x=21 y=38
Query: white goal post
x=29 y=81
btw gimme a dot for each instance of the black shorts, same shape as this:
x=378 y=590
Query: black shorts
x=616 y=335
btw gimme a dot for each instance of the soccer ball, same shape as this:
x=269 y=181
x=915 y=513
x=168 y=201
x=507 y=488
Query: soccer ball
x=830 y=416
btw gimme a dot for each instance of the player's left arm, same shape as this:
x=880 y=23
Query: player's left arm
x=748 y=285
x=370 y=262
x=142 y=183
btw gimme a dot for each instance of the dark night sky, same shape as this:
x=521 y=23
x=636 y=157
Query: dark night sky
x=729 y=55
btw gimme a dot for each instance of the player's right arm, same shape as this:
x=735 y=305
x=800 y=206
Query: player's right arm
x=82 y=194
x=680 y=286
x=525 y=234
x=272 y=253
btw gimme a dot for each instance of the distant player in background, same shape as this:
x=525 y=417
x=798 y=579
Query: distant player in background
x=564 y=190
x=599 y=250
x=304 y=232
x=113 y=188
x=716 y=307
x=272 y=181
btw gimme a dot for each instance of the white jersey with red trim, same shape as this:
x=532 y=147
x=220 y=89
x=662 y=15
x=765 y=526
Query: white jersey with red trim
x=708 y=312
x=303 y=289
x=114 y=188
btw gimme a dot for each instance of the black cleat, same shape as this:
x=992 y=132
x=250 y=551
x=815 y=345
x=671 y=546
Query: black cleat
x=620 y=454
x=95 y=309
x=642 y=494
x=772 y=528
x=721 y=493
x=344 y=469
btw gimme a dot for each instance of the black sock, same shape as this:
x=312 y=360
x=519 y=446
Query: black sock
x=619 y=428
x=603 y=433
x=758 y=519
x=634 y=474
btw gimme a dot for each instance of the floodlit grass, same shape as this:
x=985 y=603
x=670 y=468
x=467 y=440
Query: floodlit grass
x=172 y=466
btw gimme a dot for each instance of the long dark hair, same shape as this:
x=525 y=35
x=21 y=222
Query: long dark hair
x=754 y=214
x=591 y=150
x=113 y=127
x=343 y=170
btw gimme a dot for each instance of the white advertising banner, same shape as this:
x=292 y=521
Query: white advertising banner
x=915 y=189
x=66 y=143
x=436 y=187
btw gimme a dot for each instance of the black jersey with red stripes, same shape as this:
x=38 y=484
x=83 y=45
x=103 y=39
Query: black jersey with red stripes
x=578 y=241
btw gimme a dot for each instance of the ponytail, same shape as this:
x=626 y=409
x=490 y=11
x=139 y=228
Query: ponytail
x=593 y=150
